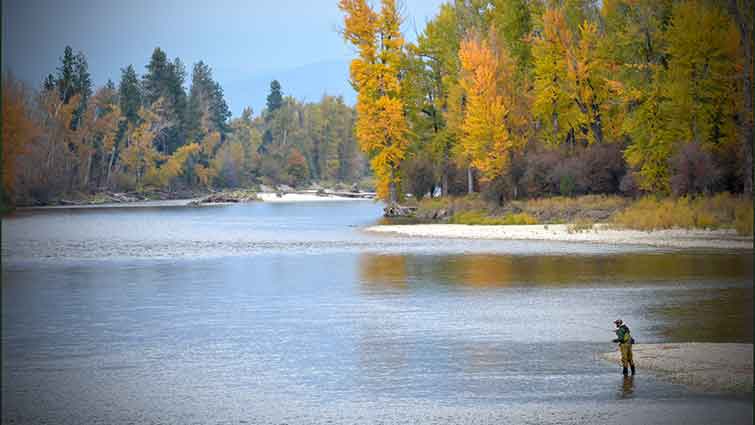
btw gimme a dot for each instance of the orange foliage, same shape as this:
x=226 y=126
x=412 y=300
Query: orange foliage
x=19 y=131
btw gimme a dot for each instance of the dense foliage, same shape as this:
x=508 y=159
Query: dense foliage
x=517 y=98
x=151 y=133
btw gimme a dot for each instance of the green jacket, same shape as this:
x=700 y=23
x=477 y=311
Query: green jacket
x=622 y=335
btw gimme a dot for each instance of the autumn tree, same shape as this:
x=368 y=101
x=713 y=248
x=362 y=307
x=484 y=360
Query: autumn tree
x=440 y=104
x=19 y=132
x=381 y=126
x=488 y=137
x=140 y=156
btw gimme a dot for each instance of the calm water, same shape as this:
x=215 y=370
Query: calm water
x=289 y=313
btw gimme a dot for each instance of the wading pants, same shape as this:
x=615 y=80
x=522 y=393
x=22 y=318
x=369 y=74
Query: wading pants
x=626 y=355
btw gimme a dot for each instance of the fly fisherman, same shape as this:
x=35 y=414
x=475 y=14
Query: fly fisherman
x=625 y=340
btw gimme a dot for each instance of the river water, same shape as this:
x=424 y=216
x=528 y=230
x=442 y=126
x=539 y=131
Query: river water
x=291 y=313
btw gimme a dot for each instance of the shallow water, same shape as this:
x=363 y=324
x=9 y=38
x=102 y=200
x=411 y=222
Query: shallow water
x=289 y=313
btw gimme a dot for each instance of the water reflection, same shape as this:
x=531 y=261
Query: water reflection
x=713 y=315
x=383 y=271
x=627 y=387
x=682 y=297
x=510 y=270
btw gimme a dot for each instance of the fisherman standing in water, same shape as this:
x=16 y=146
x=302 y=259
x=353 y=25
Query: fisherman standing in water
x=625 y=340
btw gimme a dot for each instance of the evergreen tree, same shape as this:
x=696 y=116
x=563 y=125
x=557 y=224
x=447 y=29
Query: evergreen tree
x=49 y=83
x=82 y=86
x=207 y=110
x=65 y=75
x=275 y=98
x=165 y=80
x=156 y=77
x=130 y=94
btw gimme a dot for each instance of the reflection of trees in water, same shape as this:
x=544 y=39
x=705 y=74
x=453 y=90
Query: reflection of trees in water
x=508 y=270
x=707 y=315
x=383 y=270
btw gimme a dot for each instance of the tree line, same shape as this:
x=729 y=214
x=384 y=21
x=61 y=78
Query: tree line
x=527 y=98
x=151 y=133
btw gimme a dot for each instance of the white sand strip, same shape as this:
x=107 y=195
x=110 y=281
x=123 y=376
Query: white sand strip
x=701 y=366
x=675 y=238
x=304 y=197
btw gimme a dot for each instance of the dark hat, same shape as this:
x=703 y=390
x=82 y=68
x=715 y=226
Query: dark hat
x=618 y=321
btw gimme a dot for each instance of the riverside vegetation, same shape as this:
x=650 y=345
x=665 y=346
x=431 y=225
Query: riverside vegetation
x=150 y=138
x=721 y=211
x=510 y=100
x=513 y=100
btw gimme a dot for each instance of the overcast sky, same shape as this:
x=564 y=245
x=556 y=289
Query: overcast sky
x=246 y=42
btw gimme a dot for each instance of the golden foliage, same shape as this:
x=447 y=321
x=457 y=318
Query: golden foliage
x=488 y=140
x=19 y=131
x=381 y=127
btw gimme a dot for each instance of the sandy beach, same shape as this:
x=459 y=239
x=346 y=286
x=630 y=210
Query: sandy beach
x=701 y=366
x=674 y=238
x=304 y=197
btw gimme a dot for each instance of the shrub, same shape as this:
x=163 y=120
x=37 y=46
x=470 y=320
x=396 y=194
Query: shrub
x=600 y=168
x=720 y=211
x=419 y=178
x=693 y=171
x=628 y=185
x=743 y=219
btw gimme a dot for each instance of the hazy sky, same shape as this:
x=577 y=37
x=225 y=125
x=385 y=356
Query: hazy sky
x=246 y=42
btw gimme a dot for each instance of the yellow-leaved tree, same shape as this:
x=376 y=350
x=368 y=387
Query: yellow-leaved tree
x=488 y=79
x=572 y=92
x=381 y=127
x=140 y=157
x=19 y=131
x=694 y=99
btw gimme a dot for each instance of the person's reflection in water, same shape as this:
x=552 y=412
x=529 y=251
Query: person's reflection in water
x=627 y=387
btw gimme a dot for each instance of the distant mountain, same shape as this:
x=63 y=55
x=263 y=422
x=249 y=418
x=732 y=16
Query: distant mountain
x=308 y=83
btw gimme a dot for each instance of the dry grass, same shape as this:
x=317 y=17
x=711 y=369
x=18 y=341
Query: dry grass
x=722 y=211
x=560 y=209
x=479 y=217
x=580 y=225
x=451 y=205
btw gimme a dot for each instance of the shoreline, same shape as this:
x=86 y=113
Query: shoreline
x=267 y=197
x=600 y=233
x=706 y=367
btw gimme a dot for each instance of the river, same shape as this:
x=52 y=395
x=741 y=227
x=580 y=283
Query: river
x=290 y=313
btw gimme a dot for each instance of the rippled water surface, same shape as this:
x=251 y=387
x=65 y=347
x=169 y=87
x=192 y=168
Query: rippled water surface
x=290 y=313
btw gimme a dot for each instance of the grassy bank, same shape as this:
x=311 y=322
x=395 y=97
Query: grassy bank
x=721 y=211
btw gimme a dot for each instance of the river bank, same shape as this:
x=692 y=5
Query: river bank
x=701 y=366
x=197 y=198
x=598 y=233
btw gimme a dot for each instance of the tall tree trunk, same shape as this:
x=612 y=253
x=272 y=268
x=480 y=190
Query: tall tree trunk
x=741 y=12
x=110 y=166
x=392 y=189
x=392 y=198
x=88 y=171
x=470 y=180
x=444 y=183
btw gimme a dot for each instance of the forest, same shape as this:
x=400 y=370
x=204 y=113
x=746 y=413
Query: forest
x=533 y=98
x=150 y=133
x=509 y=99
